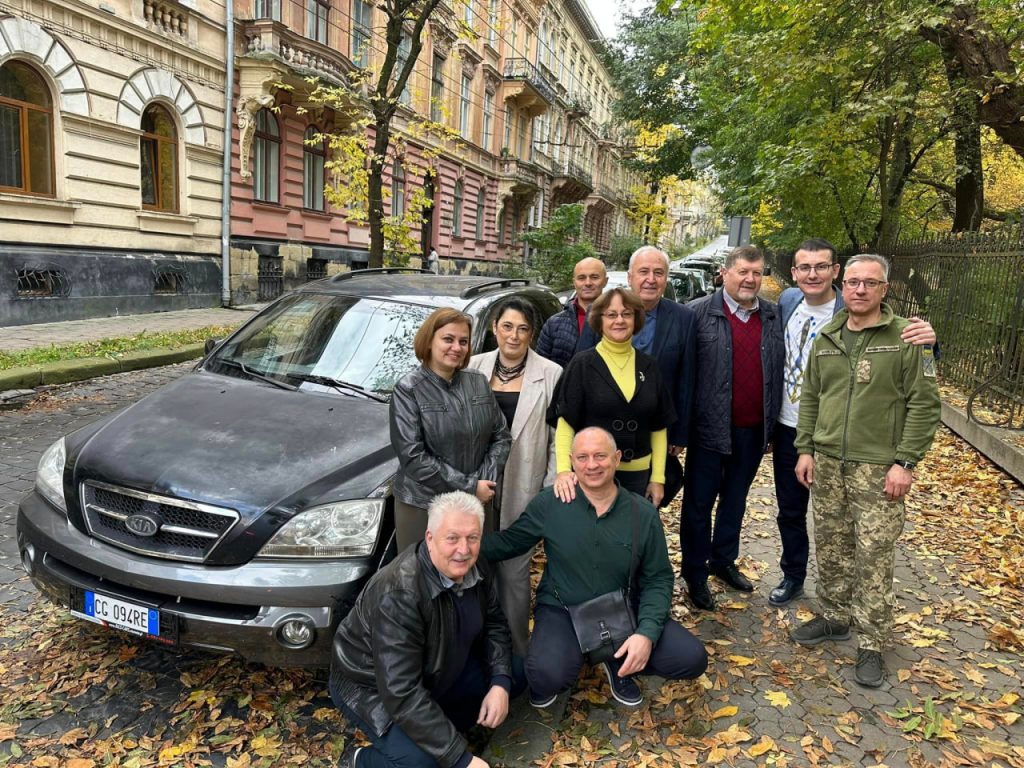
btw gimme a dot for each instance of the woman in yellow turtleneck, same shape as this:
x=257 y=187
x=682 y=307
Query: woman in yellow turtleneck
x=614 y=387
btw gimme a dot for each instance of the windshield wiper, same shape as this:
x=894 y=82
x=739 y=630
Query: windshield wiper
x=338 y=384
x=256 y=374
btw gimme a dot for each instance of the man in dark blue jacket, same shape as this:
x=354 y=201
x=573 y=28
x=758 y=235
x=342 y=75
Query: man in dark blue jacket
x=559 y=339
x=740 y=355
x=669 y=336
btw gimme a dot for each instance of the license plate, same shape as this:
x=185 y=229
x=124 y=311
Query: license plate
x=121 y=614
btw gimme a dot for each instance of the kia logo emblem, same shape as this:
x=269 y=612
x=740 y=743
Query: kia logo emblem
x=142 y=525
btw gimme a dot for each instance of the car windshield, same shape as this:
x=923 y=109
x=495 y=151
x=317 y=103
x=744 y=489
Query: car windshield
x=316 y=338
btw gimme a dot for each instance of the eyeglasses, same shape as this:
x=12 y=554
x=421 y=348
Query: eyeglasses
x=626 y=314
x=853 y=284
x=805 y=269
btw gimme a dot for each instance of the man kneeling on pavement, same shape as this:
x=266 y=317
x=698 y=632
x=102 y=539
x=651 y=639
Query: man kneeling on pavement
x=426 y=652
x=588 y=543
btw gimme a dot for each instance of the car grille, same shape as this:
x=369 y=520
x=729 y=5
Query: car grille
x=187 y=530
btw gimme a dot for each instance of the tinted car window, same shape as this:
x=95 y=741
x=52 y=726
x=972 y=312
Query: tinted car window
x=360 y=341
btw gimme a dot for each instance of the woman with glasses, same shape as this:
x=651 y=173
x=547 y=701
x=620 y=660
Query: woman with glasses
x=446 y=427
x=524 y=384
x=617 y=388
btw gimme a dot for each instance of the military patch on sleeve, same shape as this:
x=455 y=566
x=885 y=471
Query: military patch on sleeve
x=928 y=362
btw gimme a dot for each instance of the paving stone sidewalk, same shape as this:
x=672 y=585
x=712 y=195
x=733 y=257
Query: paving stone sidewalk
x=953 y=695
x=15 y=338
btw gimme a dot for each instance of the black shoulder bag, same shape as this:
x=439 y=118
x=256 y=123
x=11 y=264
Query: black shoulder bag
x=603 y=623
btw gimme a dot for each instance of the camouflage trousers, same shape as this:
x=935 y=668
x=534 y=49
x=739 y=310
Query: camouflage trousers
x=855 y=533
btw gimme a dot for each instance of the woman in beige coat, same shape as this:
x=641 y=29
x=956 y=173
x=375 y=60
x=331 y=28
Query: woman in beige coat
x=523 y=383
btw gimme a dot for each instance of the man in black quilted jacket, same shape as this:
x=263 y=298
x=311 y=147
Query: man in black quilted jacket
x=560 y=337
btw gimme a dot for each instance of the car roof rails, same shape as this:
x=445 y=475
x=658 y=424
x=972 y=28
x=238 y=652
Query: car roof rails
x=505 y=282
x=380 y=271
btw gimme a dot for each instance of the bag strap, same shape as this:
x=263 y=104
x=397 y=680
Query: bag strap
x=633 y=560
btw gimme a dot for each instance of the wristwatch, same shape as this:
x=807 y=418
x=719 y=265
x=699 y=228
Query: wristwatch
x=909 y=465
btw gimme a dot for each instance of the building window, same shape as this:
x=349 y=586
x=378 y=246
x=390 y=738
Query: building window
x=514 y=38
x=522 y=137
x=437 y=89
x=481 y=212
x=267 y=9
x=404 y=51
x=457 y=210
x=159 y=160
x=397 y=190
x=492 y=21
x=508 y=129
x=488 y=121
x=556 y=150
x=361 y=21
x=316 y=20
x=501 y=224
x=26 y=131
x=266 y=157
x=464 y=104
x=314 y=156
x=467 y=14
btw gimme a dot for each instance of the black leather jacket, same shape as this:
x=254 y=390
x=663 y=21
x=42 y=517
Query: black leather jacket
x=391 y=648
x=448 y=435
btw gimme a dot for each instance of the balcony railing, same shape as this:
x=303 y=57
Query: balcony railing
x=521 y=172
x=576 y=171
x=272 y=39
x=166 y=17
x=578 y=104
x=521 y=69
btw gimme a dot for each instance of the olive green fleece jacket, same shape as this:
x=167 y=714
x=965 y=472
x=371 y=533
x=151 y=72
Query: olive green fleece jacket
x=877 y=406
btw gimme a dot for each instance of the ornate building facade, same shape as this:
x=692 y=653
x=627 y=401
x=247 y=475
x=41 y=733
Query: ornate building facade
x=112 y=130
x=519 y=85
x=111 y=123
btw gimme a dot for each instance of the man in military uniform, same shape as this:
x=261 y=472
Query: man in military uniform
x=869 y=409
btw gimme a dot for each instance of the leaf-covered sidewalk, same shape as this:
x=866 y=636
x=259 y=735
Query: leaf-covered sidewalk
x=76 y=696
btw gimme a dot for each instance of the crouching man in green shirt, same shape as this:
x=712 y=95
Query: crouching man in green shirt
x=588 y=545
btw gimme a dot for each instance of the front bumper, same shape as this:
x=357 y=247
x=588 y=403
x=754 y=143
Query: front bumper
x=236 y=609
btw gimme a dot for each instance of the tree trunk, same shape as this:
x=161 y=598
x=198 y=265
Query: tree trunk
x=969 y=189
x=986 y=64
x=375 y=190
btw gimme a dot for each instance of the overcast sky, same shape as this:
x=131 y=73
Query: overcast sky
x=608 y=12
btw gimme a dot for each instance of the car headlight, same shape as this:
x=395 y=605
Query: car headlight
x=50 y=475
x=342 y=529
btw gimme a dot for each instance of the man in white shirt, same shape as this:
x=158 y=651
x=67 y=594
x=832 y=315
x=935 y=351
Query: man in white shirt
x=805 y=310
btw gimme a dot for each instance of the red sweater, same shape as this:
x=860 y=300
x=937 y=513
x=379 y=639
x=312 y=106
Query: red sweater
x=747 y=371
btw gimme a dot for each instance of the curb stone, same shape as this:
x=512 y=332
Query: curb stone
x=64 y=371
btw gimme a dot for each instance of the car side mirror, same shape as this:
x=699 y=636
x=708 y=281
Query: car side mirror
x=210 y=345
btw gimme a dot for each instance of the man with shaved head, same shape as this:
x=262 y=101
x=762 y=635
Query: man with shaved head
x=560 y=337
x=589 y=542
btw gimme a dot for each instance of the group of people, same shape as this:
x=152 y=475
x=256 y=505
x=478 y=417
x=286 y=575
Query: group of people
x=575 y=442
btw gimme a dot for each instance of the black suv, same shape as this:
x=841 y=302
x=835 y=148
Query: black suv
x=242 y=507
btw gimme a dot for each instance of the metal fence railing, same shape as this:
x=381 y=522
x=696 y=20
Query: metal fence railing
x=971 y=288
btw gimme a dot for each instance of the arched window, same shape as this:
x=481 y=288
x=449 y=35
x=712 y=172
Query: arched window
x=266 y=158
x=314 y=157
x=481 y=205
x=397 y=190
x=26 y=131
x=457 y=210
x=159 y=160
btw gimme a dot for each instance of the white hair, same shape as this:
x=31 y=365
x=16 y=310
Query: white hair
x=648 y=249
x=453 y=501
x=870 y=258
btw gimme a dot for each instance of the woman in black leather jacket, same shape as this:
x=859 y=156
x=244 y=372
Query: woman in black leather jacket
x=446 y=426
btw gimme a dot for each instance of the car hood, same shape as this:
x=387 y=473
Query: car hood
x=244 y=445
